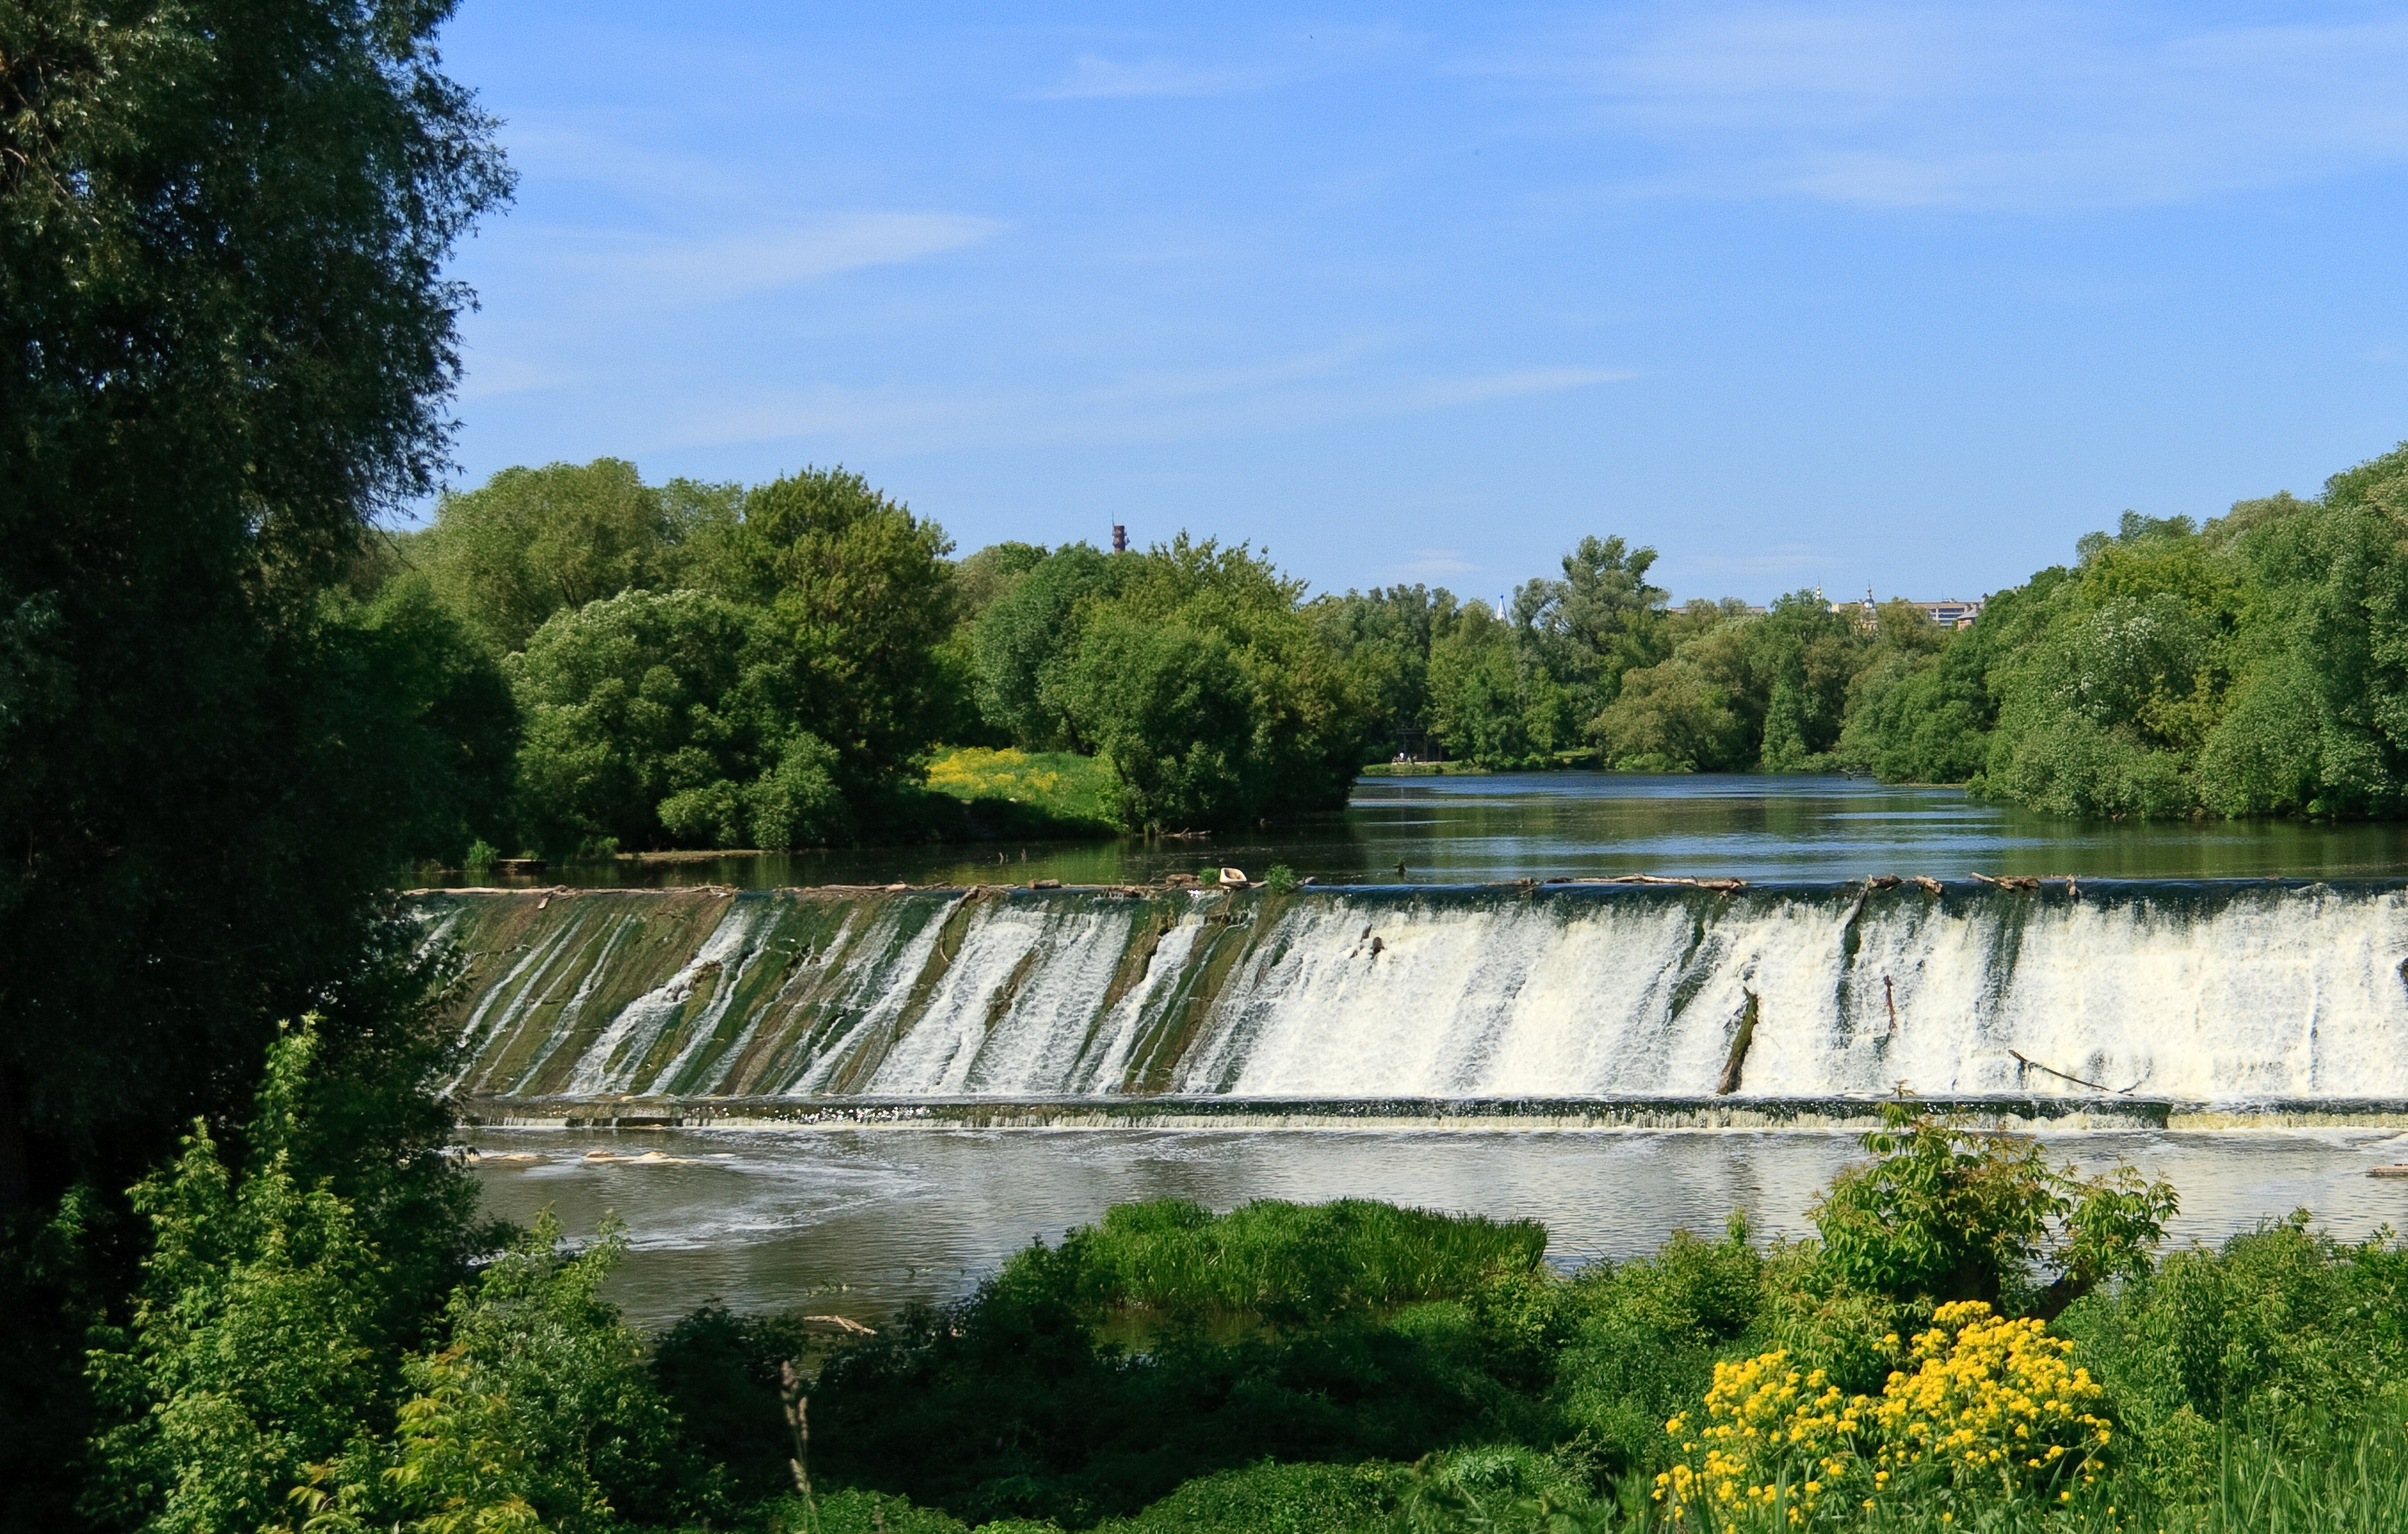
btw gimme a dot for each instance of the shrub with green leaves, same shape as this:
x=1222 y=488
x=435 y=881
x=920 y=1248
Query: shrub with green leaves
x=251 y=1353
x=668 y=718
x=1285 y=1261
x=1948 y=1211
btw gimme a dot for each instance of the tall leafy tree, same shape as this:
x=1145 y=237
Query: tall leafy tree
x=1202 y=681
x=532 y=541
x=862 y=595
x=1587 y=629
x=1022 y=640
x=226 y=344
x=656 y=717
x=1386 y=635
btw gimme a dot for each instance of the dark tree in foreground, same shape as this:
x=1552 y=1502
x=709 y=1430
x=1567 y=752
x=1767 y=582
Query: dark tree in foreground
x=226 y=344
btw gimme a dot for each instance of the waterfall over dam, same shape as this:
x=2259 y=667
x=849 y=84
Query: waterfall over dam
x=2209 y=993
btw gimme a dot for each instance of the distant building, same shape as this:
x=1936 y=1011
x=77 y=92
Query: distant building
x=1948 y=613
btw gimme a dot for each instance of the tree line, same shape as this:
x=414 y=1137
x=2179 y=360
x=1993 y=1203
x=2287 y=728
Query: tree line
x=623 y=666
x=612 y=664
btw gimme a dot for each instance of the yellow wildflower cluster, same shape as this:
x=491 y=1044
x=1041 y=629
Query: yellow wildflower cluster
x=1991 y=1403
x=1772 y=1435
x=1994 y=1400
x=973 y=772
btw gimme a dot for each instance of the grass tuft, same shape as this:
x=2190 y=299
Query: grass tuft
x=1290 y=1262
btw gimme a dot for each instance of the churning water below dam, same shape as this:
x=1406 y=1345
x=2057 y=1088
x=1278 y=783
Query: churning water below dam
x=860 y=1222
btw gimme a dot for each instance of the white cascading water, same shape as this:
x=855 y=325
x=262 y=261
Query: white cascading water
x=2216 y=996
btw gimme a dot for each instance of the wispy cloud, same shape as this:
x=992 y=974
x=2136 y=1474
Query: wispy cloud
x=1432 y=565
x=1992 y=106
x=493 y=375
x=1094 y=76
x=1278 y=395
x=1797 y=561
x=1285 y=61
x=680 y=269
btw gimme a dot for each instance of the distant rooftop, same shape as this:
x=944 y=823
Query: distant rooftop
x=1947 y=612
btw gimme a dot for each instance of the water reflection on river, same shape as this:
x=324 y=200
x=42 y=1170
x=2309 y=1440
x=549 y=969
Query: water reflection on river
x=1573 y=825
x=861 y=1222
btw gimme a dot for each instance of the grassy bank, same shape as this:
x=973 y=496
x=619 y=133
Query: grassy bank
x=1026 y=793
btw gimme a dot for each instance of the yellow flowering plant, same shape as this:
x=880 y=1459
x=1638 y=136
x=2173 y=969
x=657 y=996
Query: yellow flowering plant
x=1993 y=1411
x=1774 y=1440
x=1994 y=1403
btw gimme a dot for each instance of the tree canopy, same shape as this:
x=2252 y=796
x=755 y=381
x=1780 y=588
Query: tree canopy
x=226 y=345
x=2255 y=666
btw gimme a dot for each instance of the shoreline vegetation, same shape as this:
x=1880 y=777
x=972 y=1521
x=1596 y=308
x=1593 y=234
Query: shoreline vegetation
x=1974 y=1337
x=619 y=666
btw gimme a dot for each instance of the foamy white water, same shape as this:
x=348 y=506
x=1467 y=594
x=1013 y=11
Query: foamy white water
x=2210 y=992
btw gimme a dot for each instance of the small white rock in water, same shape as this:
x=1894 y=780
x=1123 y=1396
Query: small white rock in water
x=1233 y=876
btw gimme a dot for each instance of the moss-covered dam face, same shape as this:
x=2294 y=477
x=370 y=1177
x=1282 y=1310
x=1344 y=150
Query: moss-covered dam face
x=2192 y=993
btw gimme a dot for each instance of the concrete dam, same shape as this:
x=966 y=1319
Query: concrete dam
x=2197 y=994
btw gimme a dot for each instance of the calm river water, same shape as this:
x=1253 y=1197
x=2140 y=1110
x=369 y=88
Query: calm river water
x=862 y=1222
x=1547 y=825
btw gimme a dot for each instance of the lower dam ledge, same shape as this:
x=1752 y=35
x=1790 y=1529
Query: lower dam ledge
x=1836 y=1111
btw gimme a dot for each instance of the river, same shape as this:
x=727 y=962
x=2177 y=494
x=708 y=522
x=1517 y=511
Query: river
x=2174 y=977
x=1478 y=830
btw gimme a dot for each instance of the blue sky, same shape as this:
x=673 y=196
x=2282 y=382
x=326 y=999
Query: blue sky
x=1848 y=295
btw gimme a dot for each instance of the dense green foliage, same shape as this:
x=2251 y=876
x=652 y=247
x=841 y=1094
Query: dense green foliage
x=693 y=665
x=2255 y=666
x=1289 y=1262
x=668 y=714
x=276 y=1366
x=2246 y=668
x=1594 y=670
x=531 y=542
x=1194 y=672
x=226 y=344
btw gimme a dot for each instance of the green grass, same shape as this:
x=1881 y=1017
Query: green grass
x=2346 y=1479
x=1286 y=1262
x=1027 y=792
